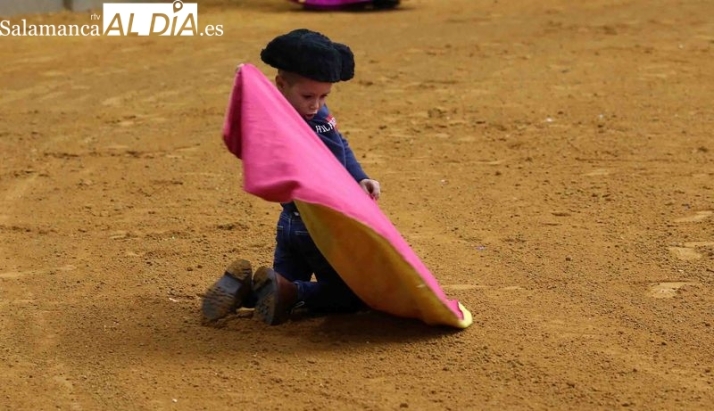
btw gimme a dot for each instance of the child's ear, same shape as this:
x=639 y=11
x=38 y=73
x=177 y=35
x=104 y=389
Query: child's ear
x=279 y=82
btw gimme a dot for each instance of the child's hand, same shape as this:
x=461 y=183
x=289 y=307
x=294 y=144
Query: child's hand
x=371 y=187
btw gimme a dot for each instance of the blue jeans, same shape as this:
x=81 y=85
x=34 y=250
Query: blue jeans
x=297 y=258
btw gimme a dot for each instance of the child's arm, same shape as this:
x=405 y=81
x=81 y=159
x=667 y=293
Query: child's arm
x=370 y=186
x=351 y=163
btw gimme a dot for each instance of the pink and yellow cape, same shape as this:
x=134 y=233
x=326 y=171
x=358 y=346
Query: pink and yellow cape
x=284 y=160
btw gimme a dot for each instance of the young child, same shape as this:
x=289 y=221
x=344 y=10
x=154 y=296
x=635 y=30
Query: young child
x=308 y=63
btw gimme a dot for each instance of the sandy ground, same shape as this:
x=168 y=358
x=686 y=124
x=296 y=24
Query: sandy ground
x=551 y=162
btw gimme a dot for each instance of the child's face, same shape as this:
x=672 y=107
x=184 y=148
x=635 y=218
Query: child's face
x=304 y=94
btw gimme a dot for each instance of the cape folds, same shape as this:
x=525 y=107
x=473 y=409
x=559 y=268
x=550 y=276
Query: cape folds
x=284 y=160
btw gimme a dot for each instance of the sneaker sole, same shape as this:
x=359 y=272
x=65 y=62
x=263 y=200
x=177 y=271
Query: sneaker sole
x=225 y=295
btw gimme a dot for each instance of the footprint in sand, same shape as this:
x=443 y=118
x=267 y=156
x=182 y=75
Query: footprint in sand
x=699 y=244
x=113 y=101
x=698 y=216
x=598 y=172
x=667 y=290
x=689 y=252
x=52 y=95
x=19 y=274
x=462 y=287
x=11 y=275
x=119 y=100
x=685 y=253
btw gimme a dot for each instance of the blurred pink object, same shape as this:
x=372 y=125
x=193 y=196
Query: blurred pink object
x=346 y=4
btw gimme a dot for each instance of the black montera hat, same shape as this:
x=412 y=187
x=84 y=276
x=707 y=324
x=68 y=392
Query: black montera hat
x=310 y=54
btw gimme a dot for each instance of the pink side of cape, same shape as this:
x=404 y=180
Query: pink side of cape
x=284 y=160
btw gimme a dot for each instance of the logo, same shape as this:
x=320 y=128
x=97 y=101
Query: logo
x=124 y=19
x=157 y=19
x=154 y=19
x=328 y=125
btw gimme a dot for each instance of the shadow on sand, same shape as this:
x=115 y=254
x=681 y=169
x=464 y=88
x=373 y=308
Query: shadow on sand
x=160 y=327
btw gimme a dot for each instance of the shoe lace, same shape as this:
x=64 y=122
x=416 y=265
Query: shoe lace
x=296 y=306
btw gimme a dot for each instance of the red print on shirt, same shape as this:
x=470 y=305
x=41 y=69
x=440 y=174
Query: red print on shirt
x=331 y=121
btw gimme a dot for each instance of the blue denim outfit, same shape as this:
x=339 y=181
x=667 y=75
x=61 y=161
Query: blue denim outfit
x=297 y=258
x=296 y=255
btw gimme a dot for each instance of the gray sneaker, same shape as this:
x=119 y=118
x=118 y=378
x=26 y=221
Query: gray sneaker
x=232 y=291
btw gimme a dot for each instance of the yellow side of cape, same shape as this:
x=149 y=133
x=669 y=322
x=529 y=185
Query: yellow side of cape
x=374 y=269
